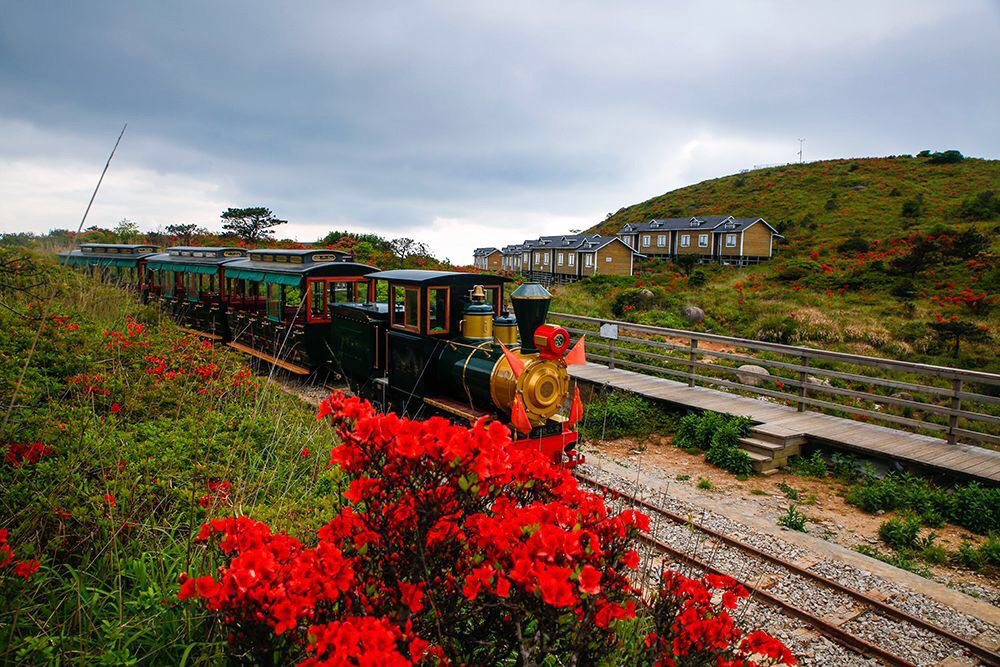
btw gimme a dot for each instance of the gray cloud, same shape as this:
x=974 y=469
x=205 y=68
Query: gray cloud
x=529 y=116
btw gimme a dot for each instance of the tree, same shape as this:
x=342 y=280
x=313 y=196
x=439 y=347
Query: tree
x=922 y=255
x=404 y=247
x=185 y=232
x=126 y=230
x=956 y=330
x=947 y=157
x=251 y=224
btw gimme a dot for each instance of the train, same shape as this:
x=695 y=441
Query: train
x=415 y=342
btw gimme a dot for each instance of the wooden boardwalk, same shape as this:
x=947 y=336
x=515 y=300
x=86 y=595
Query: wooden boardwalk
x=933 y=453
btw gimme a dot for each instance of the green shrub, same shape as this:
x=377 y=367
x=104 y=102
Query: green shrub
x=814 y=466
x=705 y=484
x=622 y=414
x=854 y=243
x=844 y=466
x=797 y=269
x=900 y=533
x=725 y=451
x=945 y=157
x=793 y=519
x=971 y=506
x=697 y=279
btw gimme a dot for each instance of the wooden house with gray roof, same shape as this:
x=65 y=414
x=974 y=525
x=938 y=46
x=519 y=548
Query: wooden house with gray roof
x=720 y=238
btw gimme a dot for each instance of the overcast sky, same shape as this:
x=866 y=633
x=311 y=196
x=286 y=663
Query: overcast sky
x=464 y=124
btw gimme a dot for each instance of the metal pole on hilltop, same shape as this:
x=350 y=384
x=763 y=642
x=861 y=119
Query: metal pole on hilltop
x=106 y=165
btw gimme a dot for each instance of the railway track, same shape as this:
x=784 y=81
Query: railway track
x=706 y=553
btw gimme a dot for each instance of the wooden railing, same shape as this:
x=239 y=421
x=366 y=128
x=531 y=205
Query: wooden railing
x=960 y=404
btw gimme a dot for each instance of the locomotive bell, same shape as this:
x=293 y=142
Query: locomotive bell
x=531 y=304
x=477 y=318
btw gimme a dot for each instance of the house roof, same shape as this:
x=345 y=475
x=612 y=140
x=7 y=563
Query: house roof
x=483 y=252
x=672 y=224
x=595 y=243
x=739 y=224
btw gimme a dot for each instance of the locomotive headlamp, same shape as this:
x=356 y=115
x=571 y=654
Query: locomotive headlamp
x=551 y=341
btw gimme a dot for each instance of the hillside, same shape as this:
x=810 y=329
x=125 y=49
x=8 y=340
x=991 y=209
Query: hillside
x=867 y=193
x=855 y=272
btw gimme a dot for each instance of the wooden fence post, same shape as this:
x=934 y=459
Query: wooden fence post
x=803 y=376
x=611 y=353
x=693 y=356
x=956 y=404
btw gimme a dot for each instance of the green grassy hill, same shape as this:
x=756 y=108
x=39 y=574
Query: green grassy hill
x=867 y=194
x=880 y=255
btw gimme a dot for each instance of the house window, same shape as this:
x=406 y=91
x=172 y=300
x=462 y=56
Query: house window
x=685 y=240
x=546 y=258
x=572 y=259
x=730 y=240
x=560 y=259
x=405 y=308
x=438 y=302
x=590 y=260
x=661 y=240
x=645 y=240
x=703 y=240
x=525 y=257
x=538 y=256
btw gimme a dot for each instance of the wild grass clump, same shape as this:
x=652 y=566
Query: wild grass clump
x=900 y=533
x=793 y=519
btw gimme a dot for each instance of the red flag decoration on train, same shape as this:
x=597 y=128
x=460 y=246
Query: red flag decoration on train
x=576 y=411
x=519 y=417
x=578 y=354
x=516 y=365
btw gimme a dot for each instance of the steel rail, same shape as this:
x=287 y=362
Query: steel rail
x=981 y=652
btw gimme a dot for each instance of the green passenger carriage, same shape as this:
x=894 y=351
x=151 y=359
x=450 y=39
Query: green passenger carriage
x=117 y=263
x=280 y=303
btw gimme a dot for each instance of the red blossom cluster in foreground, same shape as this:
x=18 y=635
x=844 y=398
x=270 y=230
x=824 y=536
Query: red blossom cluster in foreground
x=129 y=338
x=457 y=546
x=18 y=453
x=22 y=568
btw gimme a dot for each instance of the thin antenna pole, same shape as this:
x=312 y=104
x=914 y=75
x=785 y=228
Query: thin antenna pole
x=106 y=165
x=800 y=150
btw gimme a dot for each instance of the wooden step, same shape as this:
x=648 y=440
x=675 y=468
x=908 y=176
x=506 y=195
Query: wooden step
x=777 y=434
x=762 y=463
x=769 y=448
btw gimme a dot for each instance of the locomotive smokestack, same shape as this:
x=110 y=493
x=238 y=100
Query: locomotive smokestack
x=531 y=305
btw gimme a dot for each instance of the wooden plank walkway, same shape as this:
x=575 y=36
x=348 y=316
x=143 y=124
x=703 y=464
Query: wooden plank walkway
x=934 y=453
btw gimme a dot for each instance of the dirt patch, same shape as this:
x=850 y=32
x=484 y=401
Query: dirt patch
x=821 y=500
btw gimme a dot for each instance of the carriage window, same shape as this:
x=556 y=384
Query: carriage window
x=341 y=292
x=438 y=302
x=405 y=307
x=293 y=296
x=168 y=283
x=274 y=301
x=317 y=299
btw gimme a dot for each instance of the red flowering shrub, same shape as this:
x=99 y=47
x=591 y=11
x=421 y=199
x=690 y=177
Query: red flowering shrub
x=694 y=626
x=457 y=547
x=26 y=453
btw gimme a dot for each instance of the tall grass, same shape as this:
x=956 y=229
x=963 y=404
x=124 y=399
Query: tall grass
x=106 y=590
